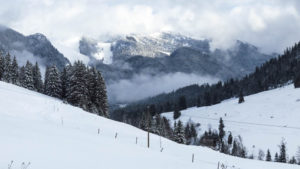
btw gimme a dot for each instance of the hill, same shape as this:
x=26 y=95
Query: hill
x=50 y=134
x=262 y=120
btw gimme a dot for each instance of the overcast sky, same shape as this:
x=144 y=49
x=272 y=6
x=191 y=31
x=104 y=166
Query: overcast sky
x=270 y=24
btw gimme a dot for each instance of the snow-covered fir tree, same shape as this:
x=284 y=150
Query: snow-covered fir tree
x=37 y=78
x=268 y=156
x=52 y=85
x=27 y=80
x=77 y=93
x=2 y=66
x=282 y=155
x=7 y=68
x=14 y=71
x=179 y=133
x=64 y=81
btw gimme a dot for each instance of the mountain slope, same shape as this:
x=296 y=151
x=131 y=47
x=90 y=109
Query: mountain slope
x=262 y=120
x=34 y=47
x=172 y=53
x=50 y=134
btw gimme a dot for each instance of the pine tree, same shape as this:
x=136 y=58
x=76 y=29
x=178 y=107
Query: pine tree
x=297 y=80
x=229 y=140
x=22 y=76
x=7 y=68
x=28 y=77
x=241 y=97
x=198 y=104
x=221 y=130
x=52 y=82
x=179 y=133
x=14 y=71
x=2 y=66
x=37 y=78
x=234 y=149
x=182 y=103
x=207 y=99
x=282 y=155
x=64 y=78
x=102 y=97
x=176 y=113
x=268 y=157
x=77 y=93
x=293 y=160
x=187 y=133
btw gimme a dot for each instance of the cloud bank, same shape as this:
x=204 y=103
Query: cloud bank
x=271 y=25
x=143 y=86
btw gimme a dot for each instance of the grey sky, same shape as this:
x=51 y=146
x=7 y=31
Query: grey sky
x=271 y=25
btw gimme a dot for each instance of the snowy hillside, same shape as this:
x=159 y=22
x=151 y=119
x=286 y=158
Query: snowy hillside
x=52 y=135
x=262 y=120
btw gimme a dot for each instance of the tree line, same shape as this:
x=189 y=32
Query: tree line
x=274 y=73
x=77 y=84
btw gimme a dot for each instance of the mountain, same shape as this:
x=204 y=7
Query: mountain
x=271 y=115
x=163 y=53
x=34 y=47
x=52 y=134
x=274 y=73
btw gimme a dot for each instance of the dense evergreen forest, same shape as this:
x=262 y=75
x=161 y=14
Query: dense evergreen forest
x=274 y=73
x=76 y=84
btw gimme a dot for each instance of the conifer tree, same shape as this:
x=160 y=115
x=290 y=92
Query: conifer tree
x=293 y=160
x=229 y=140
x=7 y=68
x=282 y=156
x=52 y=82
x=176 y=113
x=28 y=77
x=221 y=130
x=268 y=156
x=207 y=99
x=234 y=149
x=187 y=133
x=64 y=78
x=179 y=133
x=77 y=93
x=37 y=78
x=14 y=71
x=22 y=76
x=101 y=97
x=2 y=66
x=198 y=104
x=182 y=103
x=241 y=97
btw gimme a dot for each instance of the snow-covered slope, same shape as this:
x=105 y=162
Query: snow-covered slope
x=262 y=120
x=52 y=135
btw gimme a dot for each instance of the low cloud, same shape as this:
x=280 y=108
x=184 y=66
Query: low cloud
x=271 y=25
x=143 y=86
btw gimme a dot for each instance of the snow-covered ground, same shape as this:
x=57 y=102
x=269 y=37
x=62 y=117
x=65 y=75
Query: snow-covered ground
x=52 y=135
x=262 y=120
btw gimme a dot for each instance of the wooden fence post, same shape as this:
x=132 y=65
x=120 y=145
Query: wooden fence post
x=193 y=158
